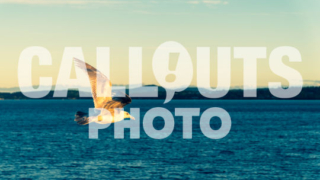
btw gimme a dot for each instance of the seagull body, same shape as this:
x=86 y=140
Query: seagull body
x=108 y=103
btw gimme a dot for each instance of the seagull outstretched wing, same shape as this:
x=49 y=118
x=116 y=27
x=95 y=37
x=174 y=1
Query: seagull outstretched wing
x=101 y=88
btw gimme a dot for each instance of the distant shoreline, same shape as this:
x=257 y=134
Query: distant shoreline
x=34 y=99
x=307 y=93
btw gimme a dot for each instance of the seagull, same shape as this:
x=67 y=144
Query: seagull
x=109 y=103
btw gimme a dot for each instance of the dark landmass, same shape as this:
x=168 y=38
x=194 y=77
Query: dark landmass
x=307 y=93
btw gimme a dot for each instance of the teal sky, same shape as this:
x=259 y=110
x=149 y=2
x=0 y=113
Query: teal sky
x=55 y=24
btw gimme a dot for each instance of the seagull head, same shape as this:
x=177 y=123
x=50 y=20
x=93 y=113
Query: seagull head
x=127 y=115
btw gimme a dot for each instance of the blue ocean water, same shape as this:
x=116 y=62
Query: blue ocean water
x=268 y=139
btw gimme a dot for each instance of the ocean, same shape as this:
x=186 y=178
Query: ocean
x=269 y=139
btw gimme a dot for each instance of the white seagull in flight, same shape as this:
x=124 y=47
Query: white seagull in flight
x=103 y=98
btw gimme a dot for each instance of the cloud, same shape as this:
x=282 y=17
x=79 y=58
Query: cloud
x=209 y=2
x=64 y=2
x=145 y=12
x=160 y=13
x=193 y=2
x=105 y=2
x=212 y=2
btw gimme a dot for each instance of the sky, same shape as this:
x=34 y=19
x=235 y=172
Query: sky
x=120 y=24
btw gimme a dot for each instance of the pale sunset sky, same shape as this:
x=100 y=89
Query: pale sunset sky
x=120 y=24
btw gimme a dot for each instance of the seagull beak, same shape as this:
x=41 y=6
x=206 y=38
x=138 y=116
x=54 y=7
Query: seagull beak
x=131 y=117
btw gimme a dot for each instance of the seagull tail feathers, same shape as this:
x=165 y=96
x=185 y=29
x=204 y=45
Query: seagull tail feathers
x=82 y=118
